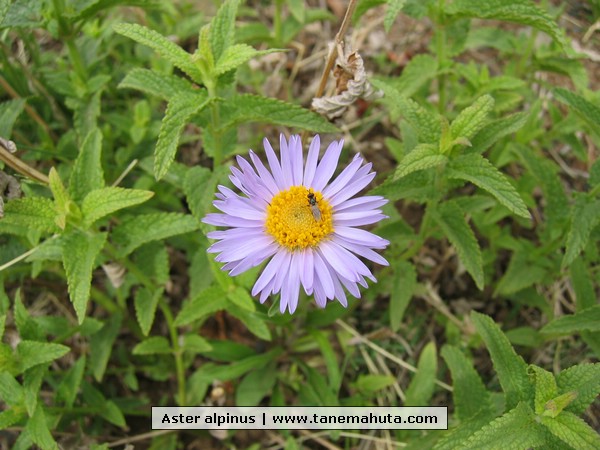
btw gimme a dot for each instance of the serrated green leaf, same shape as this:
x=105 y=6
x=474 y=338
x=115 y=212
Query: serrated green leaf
x=405 y=281
x=38 y=430
x=31 y=212
x=417 y=72
x=137 y=230
x=256 y=385
x=179 y=111
x=11 y=392
x=587 y=110
x=9 y=110
x=585 y=295
x=27 y=327
x=61 y=196
x=205 y=303
x=423 y=156
x=471 y=398
x=154 y=83
x=236 y=55
x=519 y=11
x=472 y=119
x=222 y=28
x=254 y=322
x=8 y=362
x=238 y=368
x=510 y=367
x=451 y=220
x=585 y=217
x=145 y=303
x=572 y=430
x=4 y=7
x=584 y=380
x=32 y=381
x=588 y=319
x=522 y=272
x=23 y=13
x=421 y=387
x=196 y=344
x=102 y=202
x=11 y=416
x=79 y=260
x=545 y=388
x=244 y=108
x=516 y=430
x=32 y=353
x=479 y=171
x=87 y=173
x=101 y=345
x=198 y=181
x=393 y=9
x=155 y=345
x=163 y=46
x=70 y=383
x=153 y=260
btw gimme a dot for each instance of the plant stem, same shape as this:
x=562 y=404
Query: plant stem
x=177 y=352
x=440 y=48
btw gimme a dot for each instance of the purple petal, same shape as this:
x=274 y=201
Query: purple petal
x=361 y=180
x=358 y=219
x=286 y=163
x=225 y=220
x=343 y=178
x=361 y=237
x=264 y=174
x=323 y=276
x=337 y=261
x=311 y=160
x=327 y=165
x=361 y=203
x=361 y=250
x=295 y=149
x=268 y=273
x=274 y=165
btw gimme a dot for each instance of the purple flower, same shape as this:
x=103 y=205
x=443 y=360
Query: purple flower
x=305 y=226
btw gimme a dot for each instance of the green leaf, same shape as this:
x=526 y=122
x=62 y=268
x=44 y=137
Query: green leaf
x=205 y=303
x=405 y=282
x=370 y=384
x=33 y=353
x=479 y=171
x=510 y=367
x=154 y=83
x=516 y=430
x=454 y=225
x=393 y=9
x=105 y=408
x=240 y=297
x=163 y=46
x=472 y=119
x=70 y=383
x=254 y=322
x=222 y=28
x=236 y=55
x=102 y=202
x=417 y=72
x=584 y=380
x=471 y=398
x=423 y=156
x=198 y=181
x=31 y=212
x=256 y=385
x=244 y=108
x=4 y=7
x=145 y=303
x=587 y=110
x=518 y=11
x=9 y=110
x=79 y=260
x=101 y=345
x=196 y=344
x=155 y=345
x=38 y=430
x=61 y=196
x=545 y=388
x=329 y=356
x=32 y=382
x=238 y=368
x=585 y=217
x=588 y=319
x=23 y=13
x=421 y=387
x=572 y=430
x=11 y=392
x=87 y=173
x=585 y=295
x=137 y=230
x=179 y=111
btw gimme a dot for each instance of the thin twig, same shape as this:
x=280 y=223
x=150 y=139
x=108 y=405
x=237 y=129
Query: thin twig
x=18 y=165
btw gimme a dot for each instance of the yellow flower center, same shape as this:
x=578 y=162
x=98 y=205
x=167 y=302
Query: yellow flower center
x=299 y=218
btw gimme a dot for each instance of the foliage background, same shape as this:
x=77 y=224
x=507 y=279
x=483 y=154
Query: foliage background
x=127 y=114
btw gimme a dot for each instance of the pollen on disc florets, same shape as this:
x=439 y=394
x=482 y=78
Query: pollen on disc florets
x=290 y=219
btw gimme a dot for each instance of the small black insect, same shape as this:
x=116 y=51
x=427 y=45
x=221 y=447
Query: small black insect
x=314 y=208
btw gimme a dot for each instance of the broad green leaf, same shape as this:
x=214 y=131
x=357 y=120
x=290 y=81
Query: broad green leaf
x=417 y=72
x=196 y=344
x=515 y=430
x=222 y=28
x=256 y=385
x=510 y=367
x=479 y=171
x=585 y=217
x=519 y=11
x=572 y=430
x=588 y=319
x=244 y=108
x=471 y=398
x=393 y=9
x=587 y=110
x=11 y=392
x=454 y=225
x=23 y=13
x=153 y=260
x=32 y=353
x=102 y=202
x=38 y=430
x=238 y=368
x=421 y=387
x=137 y=230
x=155 y=345
x=9 y=110
x=545 y=388
x=236 y=55
x=145 y=303
x=423 y=156
x=254 y=321
x=205 y=303
x=154 y=83
x=31 y=212
x=163 y=46
x=87 y=173
x=405 y=281
x=79 y=260
x=179 y=111
x=472 y=119
x=584 y=380
x=101 y=345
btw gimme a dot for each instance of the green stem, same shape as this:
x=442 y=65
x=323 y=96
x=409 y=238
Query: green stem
x=440 y=48
x=177 y=352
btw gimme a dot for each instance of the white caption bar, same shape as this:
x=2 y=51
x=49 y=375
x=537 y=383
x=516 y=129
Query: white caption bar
x=300 y=418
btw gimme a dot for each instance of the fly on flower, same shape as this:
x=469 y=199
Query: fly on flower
x=306 y=227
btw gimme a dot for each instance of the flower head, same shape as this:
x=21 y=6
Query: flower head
x=305 y=226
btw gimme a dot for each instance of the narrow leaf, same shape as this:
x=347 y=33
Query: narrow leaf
x=421 y=387
x=102 y=202
x=87 y=173
x=33 y=353
x=145 y=303
x=222 y=28
x=205 y=303
x=405 y=281
x=588 y=319
x=495 y=130
x=154 y=345
x=38 y=430
x=587 y=110
x=585 y=217
x=472 y=119
x=238 y=368
x=154 y=83
x=9 y=110
x=101 y=345
x=236 y=55
x=393 y=9
x=423 y=156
